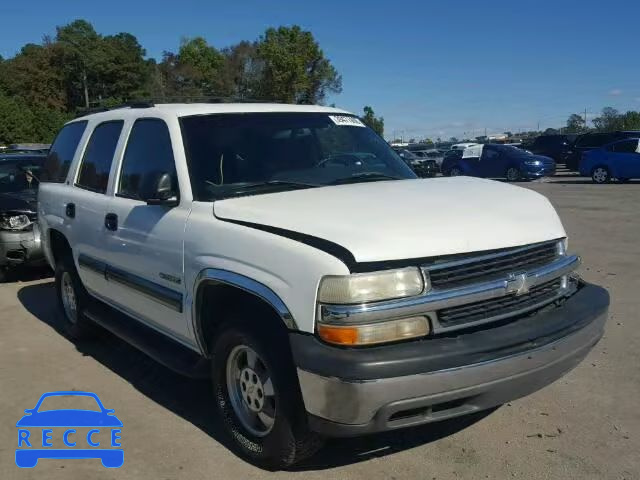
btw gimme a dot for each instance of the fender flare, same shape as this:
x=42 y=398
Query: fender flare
x=215 y=276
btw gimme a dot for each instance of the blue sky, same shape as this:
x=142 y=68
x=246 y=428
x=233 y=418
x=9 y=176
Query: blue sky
x=435 y=69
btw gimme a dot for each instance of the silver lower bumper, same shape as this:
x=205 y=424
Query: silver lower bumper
x=374 y=405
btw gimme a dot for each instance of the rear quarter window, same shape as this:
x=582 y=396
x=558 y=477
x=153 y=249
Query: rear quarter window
x=61 y=153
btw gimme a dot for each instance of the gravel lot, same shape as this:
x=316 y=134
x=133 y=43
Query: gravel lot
x=586 y=425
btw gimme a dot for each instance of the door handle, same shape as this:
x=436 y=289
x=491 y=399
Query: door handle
x=70 y=210
x=111 y=221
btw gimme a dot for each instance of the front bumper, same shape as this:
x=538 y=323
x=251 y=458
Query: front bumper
x=356 y=391
x=21 y=247
x=539 y=172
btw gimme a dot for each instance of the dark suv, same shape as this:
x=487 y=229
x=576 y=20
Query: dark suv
x=554 y=146
x=589 y=141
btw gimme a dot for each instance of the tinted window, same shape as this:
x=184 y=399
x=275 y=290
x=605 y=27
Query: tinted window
x=148 y=155
x=97 y=159
x=21 y=175
x=248 y=154
x=62 y=152
x=628 y=146
x=594 y=140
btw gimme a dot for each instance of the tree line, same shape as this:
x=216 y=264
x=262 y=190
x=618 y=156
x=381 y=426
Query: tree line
x=46 y=84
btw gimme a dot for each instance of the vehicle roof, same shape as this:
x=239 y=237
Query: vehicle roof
x=187 y=109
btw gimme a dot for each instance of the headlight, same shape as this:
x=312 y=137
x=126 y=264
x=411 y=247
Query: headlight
x=14 y=222
x=371 y=287
x=533 y=162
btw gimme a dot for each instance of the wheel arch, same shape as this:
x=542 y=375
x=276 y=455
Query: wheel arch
x=58 y=245
x=217 y=291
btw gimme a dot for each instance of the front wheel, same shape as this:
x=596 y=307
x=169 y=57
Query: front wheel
x=513 y=174
x=258 y=398
x=600 y=175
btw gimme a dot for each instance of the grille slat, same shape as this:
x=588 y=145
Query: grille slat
x=453 y=316
x=471 y=271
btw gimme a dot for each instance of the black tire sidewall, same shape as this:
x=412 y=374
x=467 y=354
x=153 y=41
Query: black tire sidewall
x=277 y=449
x=455 y=171
x=518 y=176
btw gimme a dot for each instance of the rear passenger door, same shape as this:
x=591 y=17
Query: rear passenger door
x=86 y=204
x=145 y=241
x=625 y=161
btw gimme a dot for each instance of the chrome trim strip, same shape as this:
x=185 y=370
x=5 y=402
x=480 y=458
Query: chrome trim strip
x=217 y=276
x=438 y=299
x=92 y=264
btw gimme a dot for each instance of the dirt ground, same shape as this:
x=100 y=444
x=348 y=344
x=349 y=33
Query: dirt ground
x=587 y=425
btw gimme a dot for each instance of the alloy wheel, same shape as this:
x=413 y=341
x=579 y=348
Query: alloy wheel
x=600 y=175
x=251 y=390
x=69 y=301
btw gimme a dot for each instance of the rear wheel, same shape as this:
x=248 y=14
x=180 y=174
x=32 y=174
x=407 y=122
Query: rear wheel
x=600 y=175
x=513 y=174
x=258 y=399
x=72 y=300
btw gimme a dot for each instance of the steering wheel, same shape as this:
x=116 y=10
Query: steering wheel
x=345 y=159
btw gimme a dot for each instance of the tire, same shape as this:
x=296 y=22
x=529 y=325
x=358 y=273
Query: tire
x=455 y=172
x=3 y=274
x=513 y=174
x=253 y=366
x=600 y=175
x=72 y=300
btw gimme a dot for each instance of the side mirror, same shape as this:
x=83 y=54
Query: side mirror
x=162 y=191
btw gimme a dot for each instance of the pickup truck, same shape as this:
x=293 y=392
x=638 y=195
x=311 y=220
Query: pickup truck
x=286 y=253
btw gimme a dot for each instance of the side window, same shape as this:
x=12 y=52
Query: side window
x=98 y=157
x=148 y=155
x=628 y=146
x=61 y=152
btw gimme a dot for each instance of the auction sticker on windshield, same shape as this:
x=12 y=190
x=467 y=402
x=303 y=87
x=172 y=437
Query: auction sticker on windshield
x=91 y=431
x=346 y=121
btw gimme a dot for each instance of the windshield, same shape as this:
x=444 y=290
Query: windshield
x=244 y=154
x=19 y=176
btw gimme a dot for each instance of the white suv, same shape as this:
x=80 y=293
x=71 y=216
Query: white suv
x=286 y=252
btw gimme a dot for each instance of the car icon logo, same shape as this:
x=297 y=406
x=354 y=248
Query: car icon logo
x=95 y=433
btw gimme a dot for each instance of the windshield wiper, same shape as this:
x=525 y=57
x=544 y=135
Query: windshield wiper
x=231 y=190
x=366 y=176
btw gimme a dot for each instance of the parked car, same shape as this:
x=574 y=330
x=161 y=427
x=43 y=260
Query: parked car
x=424 y=167
x=554 y=146
x=19 y=234
x=321 y=298
x=589 y=141
x=499 y=161
x=462 y=146
x=620 y=160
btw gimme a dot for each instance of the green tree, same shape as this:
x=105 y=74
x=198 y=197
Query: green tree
x=609 y=120
x=631 y=120
x=575 y=124
x=373 y=122
x=294 y=68
x=242 y=70
x=80 y=57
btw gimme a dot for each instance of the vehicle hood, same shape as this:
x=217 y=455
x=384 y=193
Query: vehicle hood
x=541 y=158
x=22 y=201
x=69 y=418
x=394 y=220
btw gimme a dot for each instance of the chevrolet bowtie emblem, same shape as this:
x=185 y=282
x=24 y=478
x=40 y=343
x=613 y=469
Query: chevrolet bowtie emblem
x=519 y=283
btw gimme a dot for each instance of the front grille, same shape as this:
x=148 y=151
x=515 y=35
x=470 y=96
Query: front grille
x=485 y=267
x=503 y=306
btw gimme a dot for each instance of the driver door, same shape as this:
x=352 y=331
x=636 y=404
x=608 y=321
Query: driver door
x=145 y=242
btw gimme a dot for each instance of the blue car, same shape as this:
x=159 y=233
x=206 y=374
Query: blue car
x=35 y=433
x=620 y=160
x=499 y=161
